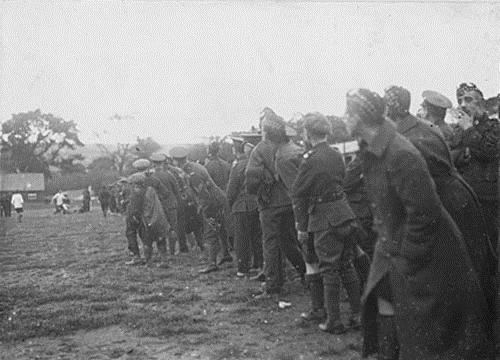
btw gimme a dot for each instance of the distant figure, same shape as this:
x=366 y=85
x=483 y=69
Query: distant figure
x=58 y=201
x=104 y=199
x=5 y=204
x=18 y=201
x=86 y=201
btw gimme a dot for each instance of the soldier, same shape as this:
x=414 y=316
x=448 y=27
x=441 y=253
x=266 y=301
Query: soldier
x=212 y=201
x=104 y=198
x=86 y=201
x=429 y=300
x=354 y=186
x=456 y=195
x=287 y=161
x=275 y=206
x=219 y=171
x=217 y=168
x=248 y=241
x=172 y=203
x=433 y=109
x=166 y=196
x=191 y=168
x=146 y=214
x=189 y=221
x=478 y=153
x=322 y=209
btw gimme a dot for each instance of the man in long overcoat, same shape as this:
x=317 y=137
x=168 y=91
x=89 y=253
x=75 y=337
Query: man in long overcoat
x=456 y=195
x=421 y=277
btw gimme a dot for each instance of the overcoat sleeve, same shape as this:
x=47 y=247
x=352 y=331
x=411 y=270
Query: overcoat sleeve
x=254 y=172
x=301 y=194
x=234 y=184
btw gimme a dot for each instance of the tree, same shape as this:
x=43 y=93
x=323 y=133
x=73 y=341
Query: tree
x=101 y=163
x=70 y=164
x=121 y=156
x=32 y=141
x=146 y=147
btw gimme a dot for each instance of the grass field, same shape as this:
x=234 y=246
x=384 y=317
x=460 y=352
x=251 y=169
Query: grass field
x=66 y=293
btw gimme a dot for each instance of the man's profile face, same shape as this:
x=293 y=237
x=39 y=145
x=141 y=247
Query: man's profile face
x=472 y=103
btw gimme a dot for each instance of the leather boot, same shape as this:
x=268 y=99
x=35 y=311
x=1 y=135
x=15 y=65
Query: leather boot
x=388 y=347
x=331 y=288
x=162 y=249
x=148 y=253
x=351 y=284
x=317 y=312
x=171 y=245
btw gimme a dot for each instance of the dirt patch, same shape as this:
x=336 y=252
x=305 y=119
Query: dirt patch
x=66 y=293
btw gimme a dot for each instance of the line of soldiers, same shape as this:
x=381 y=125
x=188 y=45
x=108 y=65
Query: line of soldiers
x=408 y=228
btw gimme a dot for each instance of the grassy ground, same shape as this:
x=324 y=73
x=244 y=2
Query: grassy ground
x=66 y=293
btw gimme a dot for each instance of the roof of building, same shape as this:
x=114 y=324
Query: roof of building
x=22 y=182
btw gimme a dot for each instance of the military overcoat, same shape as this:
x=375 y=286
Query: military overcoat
x=440 y=308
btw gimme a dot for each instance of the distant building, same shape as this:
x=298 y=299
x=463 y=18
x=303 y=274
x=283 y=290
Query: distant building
x=31 y=185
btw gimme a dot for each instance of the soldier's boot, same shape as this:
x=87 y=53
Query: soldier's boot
x=183 y=246
x=148 y=253
x=162 y=249
x=199 y=240
x=171 y=245
x=388 y=347
x=317 y=312
x=331 y=288
x=351 y=283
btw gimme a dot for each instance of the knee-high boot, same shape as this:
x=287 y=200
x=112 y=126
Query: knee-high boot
x=317 y=312
x=331 y=288
x=350 y=281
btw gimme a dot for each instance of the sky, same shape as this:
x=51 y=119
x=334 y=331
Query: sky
x=183 y=71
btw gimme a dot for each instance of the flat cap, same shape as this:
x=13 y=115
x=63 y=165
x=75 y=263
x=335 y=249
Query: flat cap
x=137 y=178
x=158 y=157
x=317 y=123
x=141 y=164
x=178 y=152
x=437 y=99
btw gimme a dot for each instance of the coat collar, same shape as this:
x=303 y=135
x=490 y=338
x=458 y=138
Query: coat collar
x=386 y=132
x=407 y=123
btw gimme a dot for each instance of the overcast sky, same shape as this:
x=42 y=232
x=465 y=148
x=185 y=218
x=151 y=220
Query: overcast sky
x=181 y=71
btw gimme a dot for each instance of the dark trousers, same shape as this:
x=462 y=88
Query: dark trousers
x=335 y=253
x=248 y=240
x=148 y=237
x=131 y=231
x=104 y=207
x=279 y=236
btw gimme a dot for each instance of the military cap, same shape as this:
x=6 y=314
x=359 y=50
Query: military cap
x=158 y=157
x=317 y=123
x=137 y=178
x=437 y=99
x=141 y=164
x=178 y=152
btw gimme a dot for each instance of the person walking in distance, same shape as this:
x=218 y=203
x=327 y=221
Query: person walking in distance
x=17 y=202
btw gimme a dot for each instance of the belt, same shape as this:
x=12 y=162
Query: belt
x=332 y=197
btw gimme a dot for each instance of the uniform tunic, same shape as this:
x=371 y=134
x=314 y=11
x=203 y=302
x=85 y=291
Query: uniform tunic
x=322 y=208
